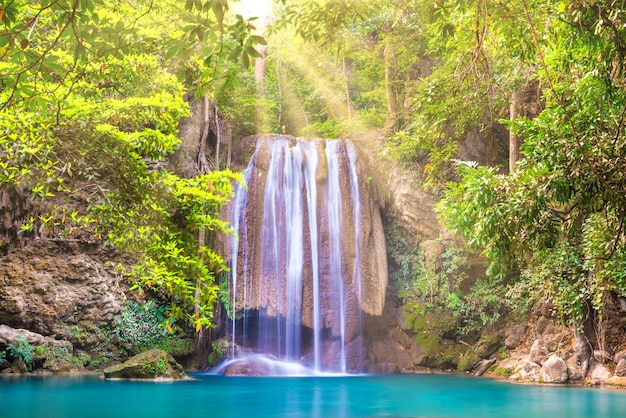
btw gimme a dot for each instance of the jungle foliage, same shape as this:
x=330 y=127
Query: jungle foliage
x=557 y=222
x=441 y=72
x=91 y=95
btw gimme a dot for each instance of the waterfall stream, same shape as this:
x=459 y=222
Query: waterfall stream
x=295 y=281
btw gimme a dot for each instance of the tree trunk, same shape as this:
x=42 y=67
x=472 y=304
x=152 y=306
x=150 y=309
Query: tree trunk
x=260 y=69
x=346 y=83
x=515 y=111
x=199 y=134
x=390 y=80
x=525 y=102
x=203 y=164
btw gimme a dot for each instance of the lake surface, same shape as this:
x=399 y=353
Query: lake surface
x=421 y=395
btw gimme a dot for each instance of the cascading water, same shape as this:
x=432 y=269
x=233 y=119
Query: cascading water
x=295 y=286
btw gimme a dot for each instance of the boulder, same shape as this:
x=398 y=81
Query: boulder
x=513 y=336
x=528 y=371
x=620 y=368
x=554 y=370
x=262 y=365
x=574 y=371
x=8 y=335
x=538 y=352
x=601 y=356
x=153 y=364
x=619 y=356
x=249 y=367
x=483 y=366
x=598 y=372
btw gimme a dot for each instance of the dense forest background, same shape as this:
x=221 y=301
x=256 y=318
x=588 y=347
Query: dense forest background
x=91 y=94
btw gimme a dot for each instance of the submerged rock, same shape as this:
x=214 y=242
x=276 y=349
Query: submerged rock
x=262 y=365
x=153 y=364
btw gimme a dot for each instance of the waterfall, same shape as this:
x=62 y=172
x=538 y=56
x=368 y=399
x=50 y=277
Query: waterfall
x=356 y=267
x=238 y=222
x=295 y=279
x=333 y=201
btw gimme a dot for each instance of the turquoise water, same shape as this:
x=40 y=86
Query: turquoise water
x=364 y=396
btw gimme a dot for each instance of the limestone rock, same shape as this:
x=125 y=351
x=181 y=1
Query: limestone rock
x=601 y=356
x=616 y=381
x=49 y=287
x=538 y=352
x=528 y=371
x=599 y=371
x=620 y=368
x=513 y=336
x=619 y=356
x=483 y=366
x=574 y=371
x=554 y=370
x=8 y=336
x=394 y=354
x=544 y=308
x=542 y=325
x=153 y=364
x=248 y=367
x=261 y=365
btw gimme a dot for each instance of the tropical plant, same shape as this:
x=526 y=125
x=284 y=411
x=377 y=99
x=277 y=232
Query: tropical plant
x=90 y=100
x=21 y=349
x=559 y=218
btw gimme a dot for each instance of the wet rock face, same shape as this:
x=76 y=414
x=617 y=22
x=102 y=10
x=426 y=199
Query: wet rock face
x=372 y=241
x=49 y=286
x=309 y=217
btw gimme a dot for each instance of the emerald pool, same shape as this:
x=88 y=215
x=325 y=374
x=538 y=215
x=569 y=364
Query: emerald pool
x=417 y=395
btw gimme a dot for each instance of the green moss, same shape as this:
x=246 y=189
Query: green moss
x=483 y=349
x=452 y=355
x=420 y=323
x=157 y=368
x=468 y=360
x=505 y=372
x=430 y=343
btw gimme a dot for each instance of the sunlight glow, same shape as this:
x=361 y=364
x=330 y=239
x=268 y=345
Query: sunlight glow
x=255 y=8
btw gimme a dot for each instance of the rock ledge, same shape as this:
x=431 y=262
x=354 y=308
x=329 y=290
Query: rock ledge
x=153 y=364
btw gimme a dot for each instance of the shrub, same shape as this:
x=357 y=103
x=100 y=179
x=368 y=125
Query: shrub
x=142 y=328
x=22 y=350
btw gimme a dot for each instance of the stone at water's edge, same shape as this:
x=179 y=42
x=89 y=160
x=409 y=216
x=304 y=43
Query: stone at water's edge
x=554 y=370
x=153 y=364
x=59 y=288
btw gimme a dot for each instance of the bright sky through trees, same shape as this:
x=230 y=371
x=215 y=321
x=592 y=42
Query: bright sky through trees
x=255 y=8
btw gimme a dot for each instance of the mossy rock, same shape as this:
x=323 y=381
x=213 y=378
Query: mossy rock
x=483 y=349
x=430 y=343
x=452 y=354
x=439 y=322
x=153 y=364
x=409 y=319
